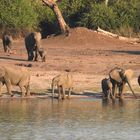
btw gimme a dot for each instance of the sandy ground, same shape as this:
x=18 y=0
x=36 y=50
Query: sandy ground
x=88 y=55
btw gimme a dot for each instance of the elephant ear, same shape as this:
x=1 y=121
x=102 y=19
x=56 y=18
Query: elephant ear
x=128 y=74
x=115 y=75
x=2 y=72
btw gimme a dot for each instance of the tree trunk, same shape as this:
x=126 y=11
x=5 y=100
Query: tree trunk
x=53 y=5
x=131 y=40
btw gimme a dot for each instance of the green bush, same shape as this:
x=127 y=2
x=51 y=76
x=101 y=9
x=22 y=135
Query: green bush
x=127 y=16
x=121 y=16
x=72 y=10
x=17 y=14
x=99 y=15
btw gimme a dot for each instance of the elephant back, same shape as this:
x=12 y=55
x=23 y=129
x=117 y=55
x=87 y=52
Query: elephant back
x=16 y=74
x=64 y=79
x=116 y=74
x=128 y=73
x=32 y=40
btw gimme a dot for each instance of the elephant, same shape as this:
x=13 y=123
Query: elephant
x=17 y=76
x=106 y=88
x=62 y=82
x=42 y=53
x=33 y=45
x=139 y=80
x=119 y=77
x=7 y=42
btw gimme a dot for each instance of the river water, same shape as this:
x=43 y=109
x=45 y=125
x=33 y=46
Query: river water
x=76 y=119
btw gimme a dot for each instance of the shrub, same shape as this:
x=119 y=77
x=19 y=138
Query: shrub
x=17 y=14
x=99 y=15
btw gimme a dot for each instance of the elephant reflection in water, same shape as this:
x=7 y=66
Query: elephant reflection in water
x=119 y=77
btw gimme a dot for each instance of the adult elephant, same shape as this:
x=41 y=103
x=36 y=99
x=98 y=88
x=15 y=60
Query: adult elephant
x=7 y=42
x=62 y=82
x=17 y=76
x=119 y=78
x=139 y=80
x=33 y=46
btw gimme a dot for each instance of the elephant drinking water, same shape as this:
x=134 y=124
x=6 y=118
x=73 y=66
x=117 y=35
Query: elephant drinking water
x=106 y=88
x=119 y=78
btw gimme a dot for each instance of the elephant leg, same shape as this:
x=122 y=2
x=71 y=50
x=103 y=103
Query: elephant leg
x=22 y=90
x=108 y=94
x=36 y=55
x=52 y=91
x=42 y=54
x=8 y=85
x=30 y=55
x=122 y=87
x=1 y=88
x=113 y=95
x=44 y=59
x=8 y=49
x=59 y=92
x=63 y=93
x=28 y=90
x=5 y=48
x=115 y=90
x=120 y=90
x=69 y=94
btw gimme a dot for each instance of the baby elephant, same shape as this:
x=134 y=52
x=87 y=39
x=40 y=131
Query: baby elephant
x=7 y=42
x=106 y=88
x=62 y=82
x=42 y=53
x=17 y=76
x=139 y=80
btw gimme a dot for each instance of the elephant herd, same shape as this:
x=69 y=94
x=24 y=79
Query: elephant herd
x=117 y=80
x=21 y=77
x=32 y=44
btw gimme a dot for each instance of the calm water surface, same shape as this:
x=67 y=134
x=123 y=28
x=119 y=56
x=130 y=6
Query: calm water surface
x=77 y=119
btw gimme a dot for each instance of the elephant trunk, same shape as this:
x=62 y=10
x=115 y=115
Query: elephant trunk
x=131 y=88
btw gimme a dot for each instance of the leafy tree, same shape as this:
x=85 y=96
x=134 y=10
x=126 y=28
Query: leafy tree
x=17 y=14
x=122 y=16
